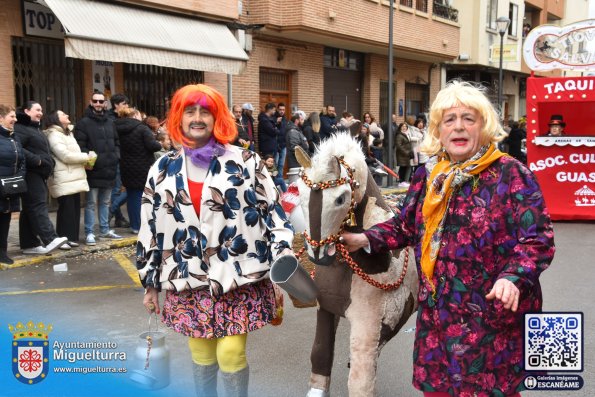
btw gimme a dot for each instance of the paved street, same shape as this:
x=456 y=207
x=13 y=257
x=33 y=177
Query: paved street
x=98 y=300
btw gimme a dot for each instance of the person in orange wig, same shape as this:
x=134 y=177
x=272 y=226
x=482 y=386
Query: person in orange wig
x=211 y=225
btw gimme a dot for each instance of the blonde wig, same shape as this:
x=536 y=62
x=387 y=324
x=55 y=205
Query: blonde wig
x=462 y=93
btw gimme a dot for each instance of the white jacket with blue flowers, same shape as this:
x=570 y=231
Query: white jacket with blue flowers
x=242 y=226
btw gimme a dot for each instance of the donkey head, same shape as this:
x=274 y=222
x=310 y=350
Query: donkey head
x=333 y=183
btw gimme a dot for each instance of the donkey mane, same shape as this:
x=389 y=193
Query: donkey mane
x=340 y=144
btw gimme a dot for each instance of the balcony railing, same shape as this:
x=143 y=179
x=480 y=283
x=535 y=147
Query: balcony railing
x=446 y=12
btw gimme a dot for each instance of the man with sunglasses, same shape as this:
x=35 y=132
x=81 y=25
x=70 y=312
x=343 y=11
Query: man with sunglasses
x=97 y=132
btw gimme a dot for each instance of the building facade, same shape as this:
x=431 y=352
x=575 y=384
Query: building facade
x=112 y=47
x=309 y=54
x=304 y=54
x=478 y=59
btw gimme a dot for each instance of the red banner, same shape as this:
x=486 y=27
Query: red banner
x=565 y=164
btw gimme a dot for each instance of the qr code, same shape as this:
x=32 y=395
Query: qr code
x=554 y=342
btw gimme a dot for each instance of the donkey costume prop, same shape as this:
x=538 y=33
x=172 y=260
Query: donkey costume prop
x=337 y=193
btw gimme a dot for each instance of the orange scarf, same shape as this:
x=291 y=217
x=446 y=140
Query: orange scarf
x=445 y=177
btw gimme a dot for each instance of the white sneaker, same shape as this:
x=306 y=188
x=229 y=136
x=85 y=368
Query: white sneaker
x=65 y=247
x=111 y=235
x=403 y=184
x=380 y=171
x=55 y=243
x=36 y=251
x=90 y=239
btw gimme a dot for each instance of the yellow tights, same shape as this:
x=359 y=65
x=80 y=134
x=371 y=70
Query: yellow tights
x=229 y=352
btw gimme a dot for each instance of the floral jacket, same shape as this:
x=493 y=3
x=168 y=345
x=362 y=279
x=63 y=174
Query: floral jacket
x=497 y=226
x=242 y=226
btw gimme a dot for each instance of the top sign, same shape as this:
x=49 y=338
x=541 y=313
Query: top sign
x=41 y=21
x=570 y=47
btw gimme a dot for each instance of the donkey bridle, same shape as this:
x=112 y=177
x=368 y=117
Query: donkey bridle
x=349 y=220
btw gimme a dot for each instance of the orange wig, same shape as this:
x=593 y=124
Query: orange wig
x=224 y=130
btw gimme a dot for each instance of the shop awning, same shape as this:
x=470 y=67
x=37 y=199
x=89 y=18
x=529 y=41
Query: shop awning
x=111 y=32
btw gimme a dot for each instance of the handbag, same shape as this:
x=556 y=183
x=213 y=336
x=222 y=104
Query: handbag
x=12 y=185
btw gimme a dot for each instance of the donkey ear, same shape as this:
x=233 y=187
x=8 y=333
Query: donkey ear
x=302 y=157
x=355 y=128
x=335 y=167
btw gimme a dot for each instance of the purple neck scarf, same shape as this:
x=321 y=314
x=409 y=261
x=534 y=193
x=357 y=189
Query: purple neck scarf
x=202 y=156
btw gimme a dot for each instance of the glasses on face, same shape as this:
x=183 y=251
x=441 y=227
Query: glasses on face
x=101 y=101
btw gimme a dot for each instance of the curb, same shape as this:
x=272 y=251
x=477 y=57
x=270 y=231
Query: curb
x=33 y=260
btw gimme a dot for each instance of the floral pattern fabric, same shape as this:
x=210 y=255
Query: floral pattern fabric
x=496 y=226
x=198 y=314
x=242 y=226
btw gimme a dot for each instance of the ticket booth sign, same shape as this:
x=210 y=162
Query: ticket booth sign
x=564 y=164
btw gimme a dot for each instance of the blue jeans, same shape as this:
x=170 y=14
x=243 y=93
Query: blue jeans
x=118 y=197
x=133 y=204
x=280 y=160
x=101 y=198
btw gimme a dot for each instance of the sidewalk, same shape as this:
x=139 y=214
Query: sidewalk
x=20 y=260
x=393 y=195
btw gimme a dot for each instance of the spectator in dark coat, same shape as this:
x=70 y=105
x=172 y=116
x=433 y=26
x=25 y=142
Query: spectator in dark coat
x=248 y=122
x=404 y=154
x=311 y=131
x=282 y=125
x=96 y=132
x=34 y=222
x=514 y=141
x=138 y=146
x=12 y=164
x=295 y=138
x=118 y=198
x=118 y=101
x=267 y=130
x=328 y=122
x=243 y=139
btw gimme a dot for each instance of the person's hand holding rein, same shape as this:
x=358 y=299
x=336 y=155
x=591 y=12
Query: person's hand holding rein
x=505 y=291
x=354 y=241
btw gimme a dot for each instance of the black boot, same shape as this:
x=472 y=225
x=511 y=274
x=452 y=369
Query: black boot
x=4 y=257
x=121 y=222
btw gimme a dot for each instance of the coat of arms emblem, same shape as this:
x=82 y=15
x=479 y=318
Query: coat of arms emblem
x=30 y=351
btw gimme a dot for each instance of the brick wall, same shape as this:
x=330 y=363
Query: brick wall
x=12 y=25
x=303 y=60
x=340 y=21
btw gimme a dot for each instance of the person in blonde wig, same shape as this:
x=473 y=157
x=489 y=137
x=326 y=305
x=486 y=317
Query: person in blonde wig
x=473 y=97
x=482 y=236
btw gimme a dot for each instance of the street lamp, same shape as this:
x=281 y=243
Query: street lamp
x=502 y=23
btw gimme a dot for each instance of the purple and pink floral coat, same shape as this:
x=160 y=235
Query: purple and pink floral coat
x=496 y=226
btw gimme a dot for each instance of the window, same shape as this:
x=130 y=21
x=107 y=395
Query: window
x=421 y=5
x=492 y=14
x=416 y=99
x=513 y=12
x=150 y=87
x=343 y=59
x=407 y=3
